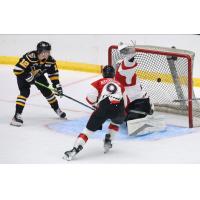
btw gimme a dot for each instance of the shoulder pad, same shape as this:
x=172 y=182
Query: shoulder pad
x=51 y=59
x=31 y=56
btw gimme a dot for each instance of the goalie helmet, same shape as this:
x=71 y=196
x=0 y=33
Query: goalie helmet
x=127 y=49
x=108 y=71
x=43 y=46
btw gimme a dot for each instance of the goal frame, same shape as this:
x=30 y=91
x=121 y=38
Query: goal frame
x=167 y=53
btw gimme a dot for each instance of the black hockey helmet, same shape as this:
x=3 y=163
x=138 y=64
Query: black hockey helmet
x=43 y=46
x=108 y=71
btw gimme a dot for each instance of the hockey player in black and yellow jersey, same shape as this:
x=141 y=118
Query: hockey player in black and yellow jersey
x=30 y=68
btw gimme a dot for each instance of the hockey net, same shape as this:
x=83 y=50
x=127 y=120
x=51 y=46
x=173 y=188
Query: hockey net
x=166 y=74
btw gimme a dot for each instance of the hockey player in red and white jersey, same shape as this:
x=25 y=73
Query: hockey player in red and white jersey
x=108 y=97
x=138 y=100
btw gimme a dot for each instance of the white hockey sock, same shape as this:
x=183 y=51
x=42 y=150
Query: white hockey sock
x=82 y=138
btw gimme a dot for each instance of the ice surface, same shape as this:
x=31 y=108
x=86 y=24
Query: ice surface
x=44 y=138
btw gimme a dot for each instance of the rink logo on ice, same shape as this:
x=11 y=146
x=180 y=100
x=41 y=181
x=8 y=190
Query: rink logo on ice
x=74 y=127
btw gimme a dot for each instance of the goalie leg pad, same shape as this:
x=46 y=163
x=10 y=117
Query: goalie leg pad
x=145 y=125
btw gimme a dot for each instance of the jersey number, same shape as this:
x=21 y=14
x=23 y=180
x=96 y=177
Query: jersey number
x=24 y=63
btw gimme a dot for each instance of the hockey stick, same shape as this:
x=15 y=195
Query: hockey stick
x=177 y=100
x=138 y=112
x=53 y=90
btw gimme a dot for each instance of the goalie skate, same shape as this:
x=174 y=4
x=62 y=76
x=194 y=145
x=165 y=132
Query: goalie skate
x=107 y=143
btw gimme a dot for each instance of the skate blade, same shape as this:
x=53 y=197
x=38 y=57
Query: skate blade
x=106 y=150
x=64 y=119
x=15 y=124
x=67 y=158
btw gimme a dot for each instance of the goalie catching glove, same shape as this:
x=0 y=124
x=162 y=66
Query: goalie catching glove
x=58 y=90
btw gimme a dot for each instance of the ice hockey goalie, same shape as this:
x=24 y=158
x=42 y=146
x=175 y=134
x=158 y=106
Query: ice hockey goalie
x=139 y=105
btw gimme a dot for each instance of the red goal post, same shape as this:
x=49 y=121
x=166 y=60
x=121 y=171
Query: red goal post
x=173 y=68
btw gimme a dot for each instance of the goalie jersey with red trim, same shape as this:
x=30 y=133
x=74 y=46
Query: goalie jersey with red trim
x=127 y=76
x=106 y=88
x=29 y=62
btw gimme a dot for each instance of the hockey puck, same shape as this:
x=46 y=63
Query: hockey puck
x=158 y=80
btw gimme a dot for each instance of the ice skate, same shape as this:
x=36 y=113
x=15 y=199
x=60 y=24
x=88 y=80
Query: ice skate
x=17 y=120
x=69 y=155
x=107 y=143
x=60 y=113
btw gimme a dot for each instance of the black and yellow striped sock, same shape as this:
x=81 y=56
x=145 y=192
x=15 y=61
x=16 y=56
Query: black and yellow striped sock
x=20 y=103
x=52 y=101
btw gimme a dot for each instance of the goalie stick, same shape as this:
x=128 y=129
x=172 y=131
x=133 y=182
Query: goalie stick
x=138 y=112
x=180 y=100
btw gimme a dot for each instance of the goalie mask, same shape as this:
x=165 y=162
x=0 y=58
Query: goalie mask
x=108 y=71
x=127 y=49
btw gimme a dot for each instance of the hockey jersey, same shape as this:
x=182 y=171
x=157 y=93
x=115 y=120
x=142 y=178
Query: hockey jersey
x=127 y=76
x=29 y=62
x=106 y=88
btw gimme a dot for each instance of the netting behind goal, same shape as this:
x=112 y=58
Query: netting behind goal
x=166 y=74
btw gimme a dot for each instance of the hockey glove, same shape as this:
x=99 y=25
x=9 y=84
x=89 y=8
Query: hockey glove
x=58 y=90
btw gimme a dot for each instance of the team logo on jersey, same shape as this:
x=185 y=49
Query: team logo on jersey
x=47 y=65
x=111 y=88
